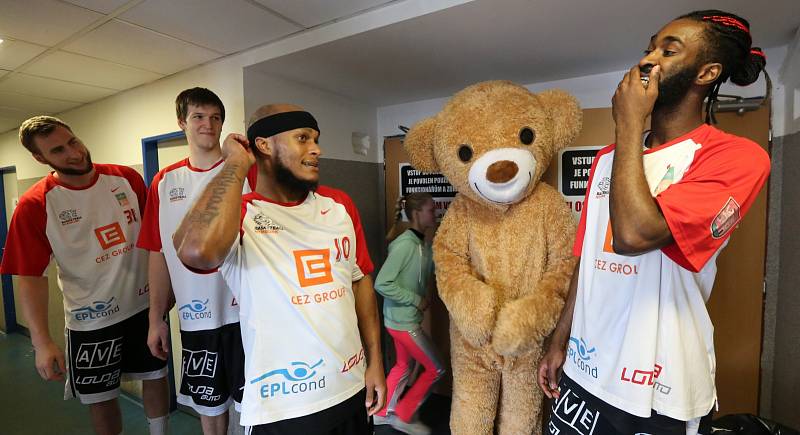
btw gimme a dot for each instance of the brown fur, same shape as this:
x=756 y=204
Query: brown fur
x=502 y=270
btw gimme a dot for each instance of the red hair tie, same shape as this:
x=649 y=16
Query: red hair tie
x=758 y=53
x=727 y=21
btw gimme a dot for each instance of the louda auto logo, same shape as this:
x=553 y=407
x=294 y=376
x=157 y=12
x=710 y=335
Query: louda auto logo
x=265 y=225
x=195 y=310
x=96 y=310
x=300 y=377
x=69 y=216
x=176 y=194
x=580 y=353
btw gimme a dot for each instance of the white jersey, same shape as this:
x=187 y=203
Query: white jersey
x=91 y=233
x=202 y=299
x=292 y=271
x=641 y=336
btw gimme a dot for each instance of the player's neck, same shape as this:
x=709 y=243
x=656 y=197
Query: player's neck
x=268 y=186
x=204 y=158
x=76 y=181
x=669 y=123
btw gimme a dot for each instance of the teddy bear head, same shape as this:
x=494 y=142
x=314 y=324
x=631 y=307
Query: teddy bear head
x=494 y=140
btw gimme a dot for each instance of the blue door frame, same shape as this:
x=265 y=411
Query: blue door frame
x=7 y=285
x=150 y=169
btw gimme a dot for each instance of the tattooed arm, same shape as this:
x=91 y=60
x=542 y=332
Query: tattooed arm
x=209 y=229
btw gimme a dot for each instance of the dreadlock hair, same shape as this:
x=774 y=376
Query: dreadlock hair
x=729 y=43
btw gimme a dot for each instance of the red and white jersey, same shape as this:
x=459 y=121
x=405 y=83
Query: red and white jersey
x=641 y=336
x=91 y=233
x=292 y=270
x=203 y=300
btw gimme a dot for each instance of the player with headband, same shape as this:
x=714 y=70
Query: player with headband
x=294 y=254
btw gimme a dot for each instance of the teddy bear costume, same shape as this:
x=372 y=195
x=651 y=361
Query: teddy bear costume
x=503 y=251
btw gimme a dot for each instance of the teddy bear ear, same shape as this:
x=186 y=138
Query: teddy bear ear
x=419 y=145
x=566 y=115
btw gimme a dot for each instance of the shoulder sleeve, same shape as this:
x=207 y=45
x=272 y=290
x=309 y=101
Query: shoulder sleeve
x=150 y=233
x=577 y=247
x=363 y=259
x=705 y=206
x=27 y=251
x=137 y=183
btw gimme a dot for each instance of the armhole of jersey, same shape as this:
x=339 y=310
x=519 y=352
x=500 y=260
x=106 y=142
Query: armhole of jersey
x=581 y=233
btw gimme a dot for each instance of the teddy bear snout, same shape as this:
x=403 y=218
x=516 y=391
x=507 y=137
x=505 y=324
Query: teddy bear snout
x=502 y=172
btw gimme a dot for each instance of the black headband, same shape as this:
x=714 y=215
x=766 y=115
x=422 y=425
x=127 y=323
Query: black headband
x=280 y=122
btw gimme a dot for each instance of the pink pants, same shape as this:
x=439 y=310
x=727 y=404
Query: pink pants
x=410 y=346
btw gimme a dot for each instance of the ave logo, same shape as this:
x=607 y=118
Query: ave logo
x=99 y=354
x=198 y=363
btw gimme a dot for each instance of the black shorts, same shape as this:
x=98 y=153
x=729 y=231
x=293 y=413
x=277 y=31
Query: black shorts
x=96 y=360
x=346 y=418
x=212 y=373
x=577 y=412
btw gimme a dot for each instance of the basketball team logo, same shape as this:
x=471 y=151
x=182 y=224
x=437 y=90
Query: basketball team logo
x=726 y=219
x=176 y=194
x=313 y=266
x=69 y=216
x=110 y=235
x=265 y=225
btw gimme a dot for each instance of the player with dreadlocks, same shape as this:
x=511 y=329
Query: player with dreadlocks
x=635 y=339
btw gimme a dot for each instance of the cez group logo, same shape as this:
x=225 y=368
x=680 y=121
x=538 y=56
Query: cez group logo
x=300 y=377
x=96 y=310
x=313 y=266
x=581 y=354
x=110 y=235
x=195 y=310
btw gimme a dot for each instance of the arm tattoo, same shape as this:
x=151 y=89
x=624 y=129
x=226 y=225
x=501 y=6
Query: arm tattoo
x=219 y=186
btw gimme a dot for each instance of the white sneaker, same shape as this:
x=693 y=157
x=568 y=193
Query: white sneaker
x=379 y=420
x=414 y=427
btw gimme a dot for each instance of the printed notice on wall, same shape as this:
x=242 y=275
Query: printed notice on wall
x=412 y=180
x=574 y=165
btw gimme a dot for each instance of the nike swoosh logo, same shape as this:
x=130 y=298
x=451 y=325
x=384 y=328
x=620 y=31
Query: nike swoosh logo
x=324 y=212
x=114 y=189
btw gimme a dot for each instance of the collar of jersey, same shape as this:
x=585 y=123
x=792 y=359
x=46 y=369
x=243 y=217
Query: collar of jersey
x=699 y=130
x=259 y=197
x=91 y=184
x=195 y=169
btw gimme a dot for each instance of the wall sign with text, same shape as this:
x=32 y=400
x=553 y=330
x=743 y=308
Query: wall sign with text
x=574 y=164
x=412 y=180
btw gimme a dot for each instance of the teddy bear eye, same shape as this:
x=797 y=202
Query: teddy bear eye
x=465 y=153
x=526 y=135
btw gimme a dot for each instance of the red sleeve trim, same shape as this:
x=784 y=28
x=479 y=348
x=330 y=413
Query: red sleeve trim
x=27 y=251
x=362 y=252
x=577 y=248
x=150 y=232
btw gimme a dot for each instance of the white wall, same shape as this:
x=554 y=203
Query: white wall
x=592 y=91
x=790 y=78
x=112 y=128
x=338 y=116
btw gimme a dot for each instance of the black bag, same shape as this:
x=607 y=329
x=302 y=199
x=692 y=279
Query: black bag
x=748 y=424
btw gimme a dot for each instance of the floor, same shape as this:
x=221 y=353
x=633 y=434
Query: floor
x=31 y=406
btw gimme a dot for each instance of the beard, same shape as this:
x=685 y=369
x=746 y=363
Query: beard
x=285 y=177
x=672 y=89
x=73 y=171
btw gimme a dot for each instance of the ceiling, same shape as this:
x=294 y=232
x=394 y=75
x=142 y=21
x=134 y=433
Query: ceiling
x=527 y=41
x=60 y=54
